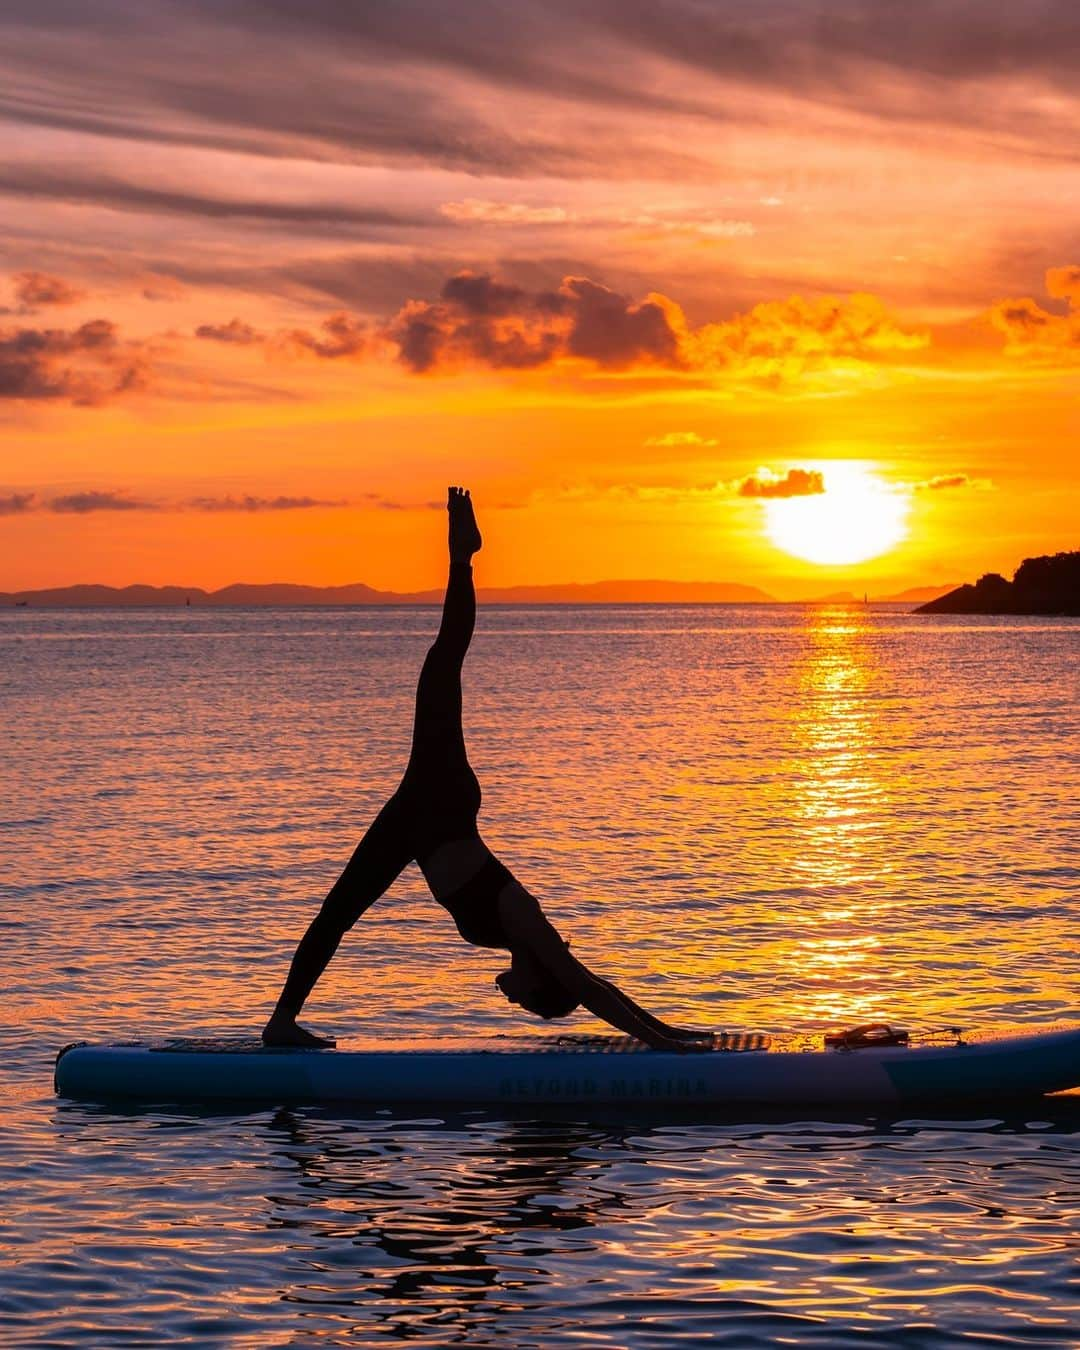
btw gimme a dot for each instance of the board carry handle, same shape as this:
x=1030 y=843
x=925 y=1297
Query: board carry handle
x=868 y=1035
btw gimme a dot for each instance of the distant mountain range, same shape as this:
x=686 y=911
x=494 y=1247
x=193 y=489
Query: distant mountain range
x=282 y=593
x=1046 y=585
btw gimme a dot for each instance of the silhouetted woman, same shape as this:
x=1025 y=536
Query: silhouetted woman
x=431 y=819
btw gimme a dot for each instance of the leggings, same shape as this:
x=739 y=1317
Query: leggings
x=437 y=800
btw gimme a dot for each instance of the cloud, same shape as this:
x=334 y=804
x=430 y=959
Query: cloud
x=339 y=335
x=162 y=289
x=945 y=481
x=480 y=321
x=698 y=225
x=83 y=503
x=252 y=503
x=86 y=365
x=1063 y=283
x=794 y=483
x=118 y=194
x=1037 y=335
x=540 y=86
x=474 y=211
x=785 y=339
x=382 y=503
x=674 y=438
x=234 y=331
x=35 y=289
x=99 y=499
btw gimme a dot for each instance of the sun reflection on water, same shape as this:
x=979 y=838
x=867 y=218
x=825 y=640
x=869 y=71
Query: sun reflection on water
x=838 y=845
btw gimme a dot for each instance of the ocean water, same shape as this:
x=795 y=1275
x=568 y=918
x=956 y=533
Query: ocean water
x=761 y=817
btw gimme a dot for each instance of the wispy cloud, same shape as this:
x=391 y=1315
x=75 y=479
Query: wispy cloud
x=91 y=500
x=251 y=503
x=16 y=503
x=235 y=331
x=476 y=211
x=36 y=289
x=670 y=439
x=120 y=194
x=633 y=82
x=949 y=481
x=84 y=503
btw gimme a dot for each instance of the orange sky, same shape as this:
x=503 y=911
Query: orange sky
x=270 y=277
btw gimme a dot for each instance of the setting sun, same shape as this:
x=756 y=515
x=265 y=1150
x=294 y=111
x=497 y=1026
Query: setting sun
x=856 y=517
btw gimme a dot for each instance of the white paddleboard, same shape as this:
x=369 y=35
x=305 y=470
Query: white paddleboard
x=575 y=1071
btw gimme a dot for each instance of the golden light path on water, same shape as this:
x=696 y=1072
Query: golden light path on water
x=837 y=946
x=857 y=517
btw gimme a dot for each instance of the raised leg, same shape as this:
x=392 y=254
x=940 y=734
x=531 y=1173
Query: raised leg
x=437 y=726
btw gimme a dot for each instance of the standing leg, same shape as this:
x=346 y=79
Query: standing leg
x=379 y=858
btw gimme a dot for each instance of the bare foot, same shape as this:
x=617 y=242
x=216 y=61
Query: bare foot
x=465 y=537
x=286 y=1031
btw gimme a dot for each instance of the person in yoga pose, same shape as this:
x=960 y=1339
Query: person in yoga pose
x=431 y=819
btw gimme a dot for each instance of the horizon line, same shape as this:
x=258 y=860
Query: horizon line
x=611 y=591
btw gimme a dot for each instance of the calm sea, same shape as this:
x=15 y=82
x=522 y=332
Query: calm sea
x=773 y=818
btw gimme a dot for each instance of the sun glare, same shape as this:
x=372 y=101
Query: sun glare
x=855 y=518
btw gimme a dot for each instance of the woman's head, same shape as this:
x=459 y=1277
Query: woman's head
x=529 y=985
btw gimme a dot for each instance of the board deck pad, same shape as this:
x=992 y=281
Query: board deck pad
x=734 y=1042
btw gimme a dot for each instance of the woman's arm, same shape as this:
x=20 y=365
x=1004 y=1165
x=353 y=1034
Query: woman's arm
x=664 y=1028
x=528 y=926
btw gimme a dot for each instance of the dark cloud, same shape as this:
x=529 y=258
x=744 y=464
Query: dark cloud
x=83 y=503
x=251 y=503
x=85 y=365
x=794 y=483
x=35 y=289
x=339 y=335
x=480 y=321
x=479 y=294
x=614 y=333
x=16 y=503
x=234 y=331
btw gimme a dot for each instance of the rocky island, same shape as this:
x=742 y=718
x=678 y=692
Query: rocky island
x=1047 y=585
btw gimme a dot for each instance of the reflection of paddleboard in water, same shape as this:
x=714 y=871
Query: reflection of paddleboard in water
x=743 y=1068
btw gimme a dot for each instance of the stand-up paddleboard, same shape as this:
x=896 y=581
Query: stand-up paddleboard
x=742 y=1069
